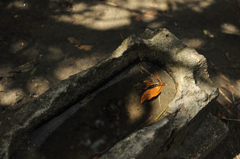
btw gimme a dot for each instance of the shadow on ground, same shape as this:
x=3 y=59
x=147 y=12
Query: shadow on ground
x=37 y=50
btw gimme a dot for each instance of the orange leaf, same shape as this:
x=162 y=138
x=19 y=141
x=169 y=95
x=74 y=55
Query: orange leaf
x=85 y=47
x=151 y=14
x=150 y=93
x=138 y=18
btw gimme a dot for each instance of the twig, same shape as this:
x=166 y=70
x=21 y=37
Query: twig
x=225 y=96
x=148 y=73
x=73 y=63
x=156 y=117
x=219 y=73
x=224 y=118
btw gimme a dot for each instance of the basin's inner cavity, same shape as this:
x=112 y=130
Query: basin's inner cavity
x=108 y=117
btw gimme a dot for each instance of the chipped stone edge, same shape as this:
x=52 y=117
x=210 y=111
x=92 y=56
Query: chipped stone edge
x=152 y=46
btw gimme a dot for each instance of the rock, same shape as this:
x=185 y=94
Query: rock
x=187 y=110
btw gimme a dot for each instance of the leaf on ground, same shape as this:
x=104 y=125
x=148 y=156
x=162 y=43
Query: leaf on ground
x=37 y=85
x=206 y=32
x=33 y=71
x=151 y=13
x=138 y=18
x=73 y=40
x=85 y=47
x=151 y=93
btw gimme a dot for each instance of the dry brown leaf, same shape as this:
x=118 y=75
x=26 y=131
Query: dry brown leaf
x=151 y=13
x=85 y=47
x=138 y=18
x=73 y=40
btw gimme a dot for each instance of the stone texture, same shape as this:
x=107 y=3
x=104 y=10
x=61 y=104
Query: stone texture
x=188 y=109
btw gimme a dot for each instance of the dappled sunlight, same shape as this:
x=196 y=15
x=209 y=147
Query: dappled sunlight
x=18 y=4
x=196 y=6
x=55 y=53
x=10 y=97
x=194 y=42
x=229 y=29
x=156 y=25
x=200 y=6
x=135 y=111
x=72 y=66
x=38 y=85
x=97 y=17
x=17 y=46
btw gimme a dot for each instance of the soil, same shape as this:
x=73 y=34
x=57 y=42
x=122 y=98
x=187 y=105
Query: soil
x=45 y=41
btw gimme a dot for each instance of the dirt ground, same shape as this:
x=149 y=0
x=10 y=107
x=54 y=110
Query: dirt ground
x=45 y=41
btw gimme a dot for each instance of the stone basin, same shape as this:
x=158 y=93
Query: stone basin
x=90 y=112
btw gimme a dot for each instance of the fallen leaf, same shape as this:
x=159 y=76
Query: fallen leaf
x=37 y=85
x=138 y=18
x=42 y=26
x=47 y=81
x=73 y=41
x=151 y=93
x=155 y=87
x=151 y=14
x=15 y=16
x=85 y=47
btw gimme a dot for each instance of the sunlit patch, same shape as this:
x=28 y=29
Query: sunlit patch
x=38 y=85
x=80 y=7
x=229 y=29
x=17 y=46
x=72 y=66
x=194 y=43
x=135 y=111
x=10 y=97
x=55 y=53
x=155 y=25
x=18 y=4
x=98 y=17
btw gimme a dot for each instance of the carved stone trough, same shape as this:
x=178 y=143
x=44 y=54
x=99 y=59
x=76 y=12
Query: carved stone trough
x=98 y=112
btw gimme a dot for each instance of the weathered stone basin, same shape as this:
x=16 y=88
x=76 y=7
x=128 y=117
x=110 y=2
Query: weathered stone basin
x=110 y=88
